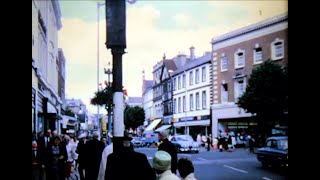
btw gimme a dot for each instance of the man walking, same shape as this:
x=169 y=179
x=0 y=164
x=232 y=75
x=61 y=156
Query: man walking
x=128 y=164
x=167 y=146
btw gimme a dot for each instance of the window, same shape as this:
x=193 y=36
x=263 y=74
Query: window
x=191 y=102
x=197 y=101
x=179 y=104
x=184 y=103
x=224 y=93
x=277 y=48
x=239 y=88
x=183 y=81
x=224 y=63
x=204 y=74
x=179 y=82
x=197 y=76
x=239 y=58
x=204 y=100
x=191 y=78
x=174 y=84
x=175 y=105
x=257 y=55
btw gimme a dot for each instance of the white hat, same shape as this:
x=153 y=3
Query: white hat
x=96 y=134
x=161 y=161
x=82 y=135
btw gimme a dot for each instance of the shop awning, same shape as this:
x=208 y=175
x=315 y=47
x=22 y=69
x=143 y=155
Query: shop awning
x=192 y=123
x=162 y=128
x=152 y=125
x=51 y=108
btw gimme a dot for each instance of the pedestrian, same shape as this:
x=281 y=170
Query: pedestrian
x=82 y=155
x=186 y=169
x=55 y=159
x=71 y=154
x=251 y=144
x=94 y=153
x=162 y=164
x=107 y=150
x=128 y=164
x=167 y=146
x=209 y=142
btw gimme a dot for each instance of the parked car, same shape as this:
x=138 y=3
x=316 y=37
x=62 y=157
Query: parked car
x=138 y=142
x=185 y=143
x=274 y=152
x=150 y=138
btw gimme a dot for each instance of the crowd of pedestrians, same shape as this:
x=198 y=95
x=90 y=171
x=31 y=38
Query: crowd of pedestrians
x=54 y=157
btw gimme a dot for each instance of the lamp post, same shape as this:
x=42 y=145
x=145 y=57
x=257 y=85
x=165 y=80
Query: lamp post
x=116 y=41
x=98 y=51
x=109 y=103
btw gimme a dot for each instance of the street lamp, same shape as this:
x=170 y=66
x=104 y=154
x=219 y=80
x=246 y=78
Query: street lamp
x=109 y=103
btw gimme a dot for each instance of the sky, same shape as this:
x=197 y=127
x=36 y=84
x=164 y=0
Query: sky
x=153 y=28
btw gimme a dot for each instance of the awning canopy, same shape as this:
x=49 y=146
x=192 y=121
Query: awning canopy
x=51 y=108
x=192 y=123
x=153 y=124
x=162 y=128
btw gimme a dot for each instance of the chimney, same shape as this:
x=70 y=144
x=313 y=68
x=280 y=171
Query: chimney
x=192 y=57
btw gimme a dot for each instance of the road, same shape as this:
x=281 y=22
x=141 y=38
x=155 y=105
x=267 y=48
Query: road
x=214 y=165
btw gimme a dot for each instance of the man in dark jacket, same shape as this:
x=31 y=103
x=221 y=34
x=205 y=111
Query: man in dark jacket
x=95 y=148
x=128 y=164
x=167 y=146
x=82 y=157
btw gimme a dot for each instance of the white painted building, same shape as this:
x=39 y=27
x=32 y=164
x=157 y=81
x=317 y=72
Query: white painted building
x=147 y=101
x=46 y=22
x=192 y=95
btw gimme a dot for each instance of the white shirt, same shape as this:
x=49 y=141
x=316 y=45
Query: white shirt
x=103 y=163
x=70 y=152
x=168 y=175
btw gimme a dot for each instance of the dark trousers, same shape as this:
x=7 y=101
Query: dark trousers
x=80 y=170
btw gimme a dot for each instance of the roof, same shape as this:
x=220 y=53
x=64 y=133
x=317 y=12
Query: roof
x=170 y=64
x=134 y=100
x=194 y=63
x=278 y=137
x=253 y=27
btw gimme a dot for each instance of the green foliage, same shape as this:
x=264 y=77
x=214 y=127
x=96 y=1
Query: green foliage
x=267 y=92
x=133 y=117
x=68 y=112
x=103 y=97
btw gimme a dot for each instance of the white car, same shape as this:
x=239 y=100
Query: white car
x=185 y=143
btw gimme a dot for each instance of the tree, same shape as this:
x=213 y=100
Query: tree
x=267 y=92
x=68 y=112
x=103 y=97
x=133 y=117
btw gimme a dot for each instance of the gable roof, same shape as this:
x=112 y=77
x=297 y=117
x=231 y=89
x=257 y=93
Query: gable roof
x=194 y=63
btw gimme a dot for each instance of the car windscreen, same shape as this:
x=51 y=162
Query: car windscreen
x=283 y=144
x=181 y=139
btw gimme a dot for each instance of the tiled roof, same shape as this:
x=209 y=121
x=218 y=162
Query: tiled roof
x=147 y=84
x=170 y=64
x=194 y=63
x=252 y=27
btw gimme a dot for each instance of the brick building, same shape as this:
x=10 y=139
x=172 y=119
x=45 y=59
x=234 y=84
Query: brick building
x=235 y=54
